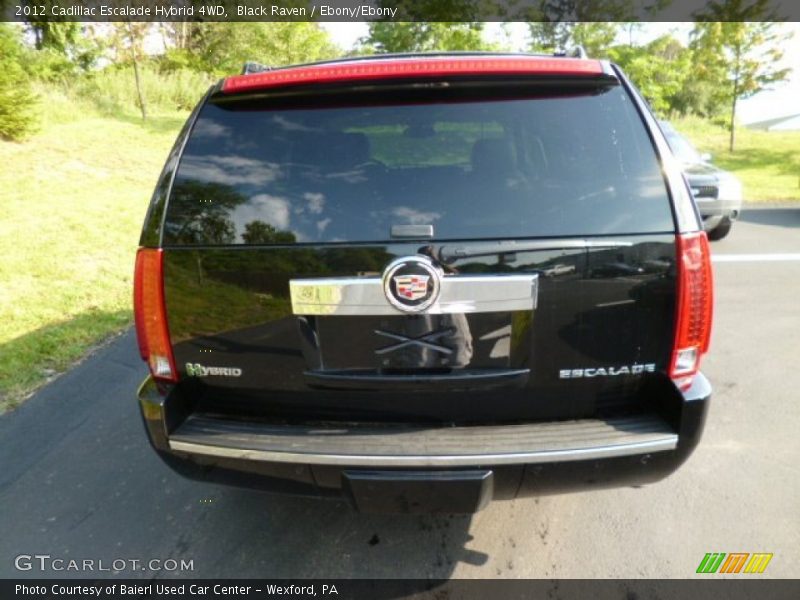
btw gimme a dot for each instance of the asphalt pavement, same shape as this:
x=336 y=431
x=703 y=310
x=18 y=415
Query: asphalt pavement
x=79 y=481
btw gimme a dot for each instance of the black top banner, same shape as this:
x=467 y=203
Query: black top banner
x=400 y=10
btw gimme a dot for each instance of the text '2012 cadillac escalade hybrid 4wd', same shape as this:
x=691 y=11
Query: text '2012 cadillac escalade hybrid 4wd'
x=422 y=282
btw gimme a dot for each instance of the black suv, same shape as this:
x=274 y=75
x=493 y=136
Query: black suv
x=423 y=282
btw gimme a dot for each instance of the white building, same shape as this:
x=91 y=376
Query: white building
x=787 y=123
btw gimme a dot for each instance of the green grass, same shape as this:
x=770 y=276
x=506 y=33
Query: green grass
x=767 y=162
x=73 y=200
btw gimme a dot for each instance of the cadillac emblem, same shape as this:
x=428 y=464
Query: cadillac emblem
x=412 y=283
x=411 y=287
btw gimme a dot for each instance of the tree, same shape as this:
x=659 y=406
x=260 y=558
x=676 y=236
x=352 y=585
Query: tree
x=442 y=11
x=127 y=41
x=73 y=43
x=203 y=221
x=424 y=37
x=259 y=232
x=222 y=48
x=134 y=45
x=630 y=28
x=704 y=93
x=61 y=49
x=743 y=49
x=659 y=69
x=595 y=38
x=56 y=35
x=585 y=11
x=548 y=37
x=558 y=25
x=17 y=102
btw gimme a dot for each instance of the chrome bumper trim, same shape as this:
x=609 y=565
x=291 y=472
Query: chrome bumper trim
x=361 y=460
x=348 y=445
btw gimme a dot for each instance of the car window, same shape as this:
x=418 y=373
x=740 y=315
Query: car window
x=577 y=163
x=682 y=148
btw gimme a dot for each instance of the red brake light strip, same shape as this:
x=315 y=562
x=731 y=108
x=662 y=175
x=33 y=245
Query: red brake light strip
x=695 y=302
x=406 y=68
x=150 y=314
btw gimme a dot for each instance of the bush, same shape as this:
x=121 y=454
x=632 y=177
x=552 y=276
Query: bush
x=48 y=65
x=177 y=59
x=17 y=102
x=113 y=90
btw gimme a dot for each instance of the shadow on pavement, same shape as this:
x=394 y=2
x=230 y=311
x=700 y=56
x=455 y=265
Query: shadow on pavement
x=305 y=537
x=78 y=480
x=783 y=217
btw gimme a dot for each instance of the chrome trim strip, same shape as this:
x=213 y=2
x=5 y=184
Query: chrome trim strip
x=668 y=442
x=361 y=296
x=450 y=253
x=475 y=377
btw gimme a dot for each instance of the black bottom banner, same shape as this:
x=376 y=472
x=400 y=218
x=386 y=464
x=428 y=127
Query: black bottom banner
x=496 y=589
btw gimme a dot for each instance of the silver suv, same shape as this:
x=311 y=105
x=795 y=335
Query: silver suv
x=718 y=193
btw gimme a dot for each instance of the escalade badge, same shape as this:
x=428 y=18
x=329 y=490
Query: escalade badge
x=412 y=283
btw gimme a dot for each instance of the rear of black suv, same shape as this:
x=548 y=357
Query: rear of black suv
x=424 y=282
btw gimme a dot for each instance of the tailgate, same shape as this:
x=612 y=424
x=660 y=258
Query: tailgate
x=595 y=325
x=539 y=203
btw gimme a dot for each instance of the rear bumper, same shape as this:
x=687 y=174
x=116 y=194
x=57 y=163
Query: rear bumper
x=409 y=469
x=713 y=210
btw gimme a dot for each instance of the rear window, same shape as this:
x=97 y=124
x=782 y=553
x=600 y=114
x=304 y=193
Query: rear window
x=548 y=164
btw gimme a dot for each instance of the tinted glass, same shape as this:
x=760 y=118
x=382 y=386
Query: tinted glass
x=550 y=165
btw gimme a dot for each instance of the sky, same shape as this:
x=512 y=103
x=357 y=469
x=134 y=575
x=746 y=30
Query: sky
x=783 y=100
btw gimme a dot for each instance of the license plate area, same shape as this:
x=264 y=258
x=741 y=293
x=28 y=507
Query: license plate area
x=417 y=342
x=427 y=492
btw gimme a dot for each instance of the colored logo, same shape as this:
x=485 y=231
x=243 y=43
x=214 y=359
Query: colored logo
x=411 y=287
x=735 y=562
x=412 y=283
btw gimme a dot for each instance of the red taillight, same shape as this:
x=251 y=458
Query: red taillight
x=694 y=307
x=151 y=315
x=421 y=67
